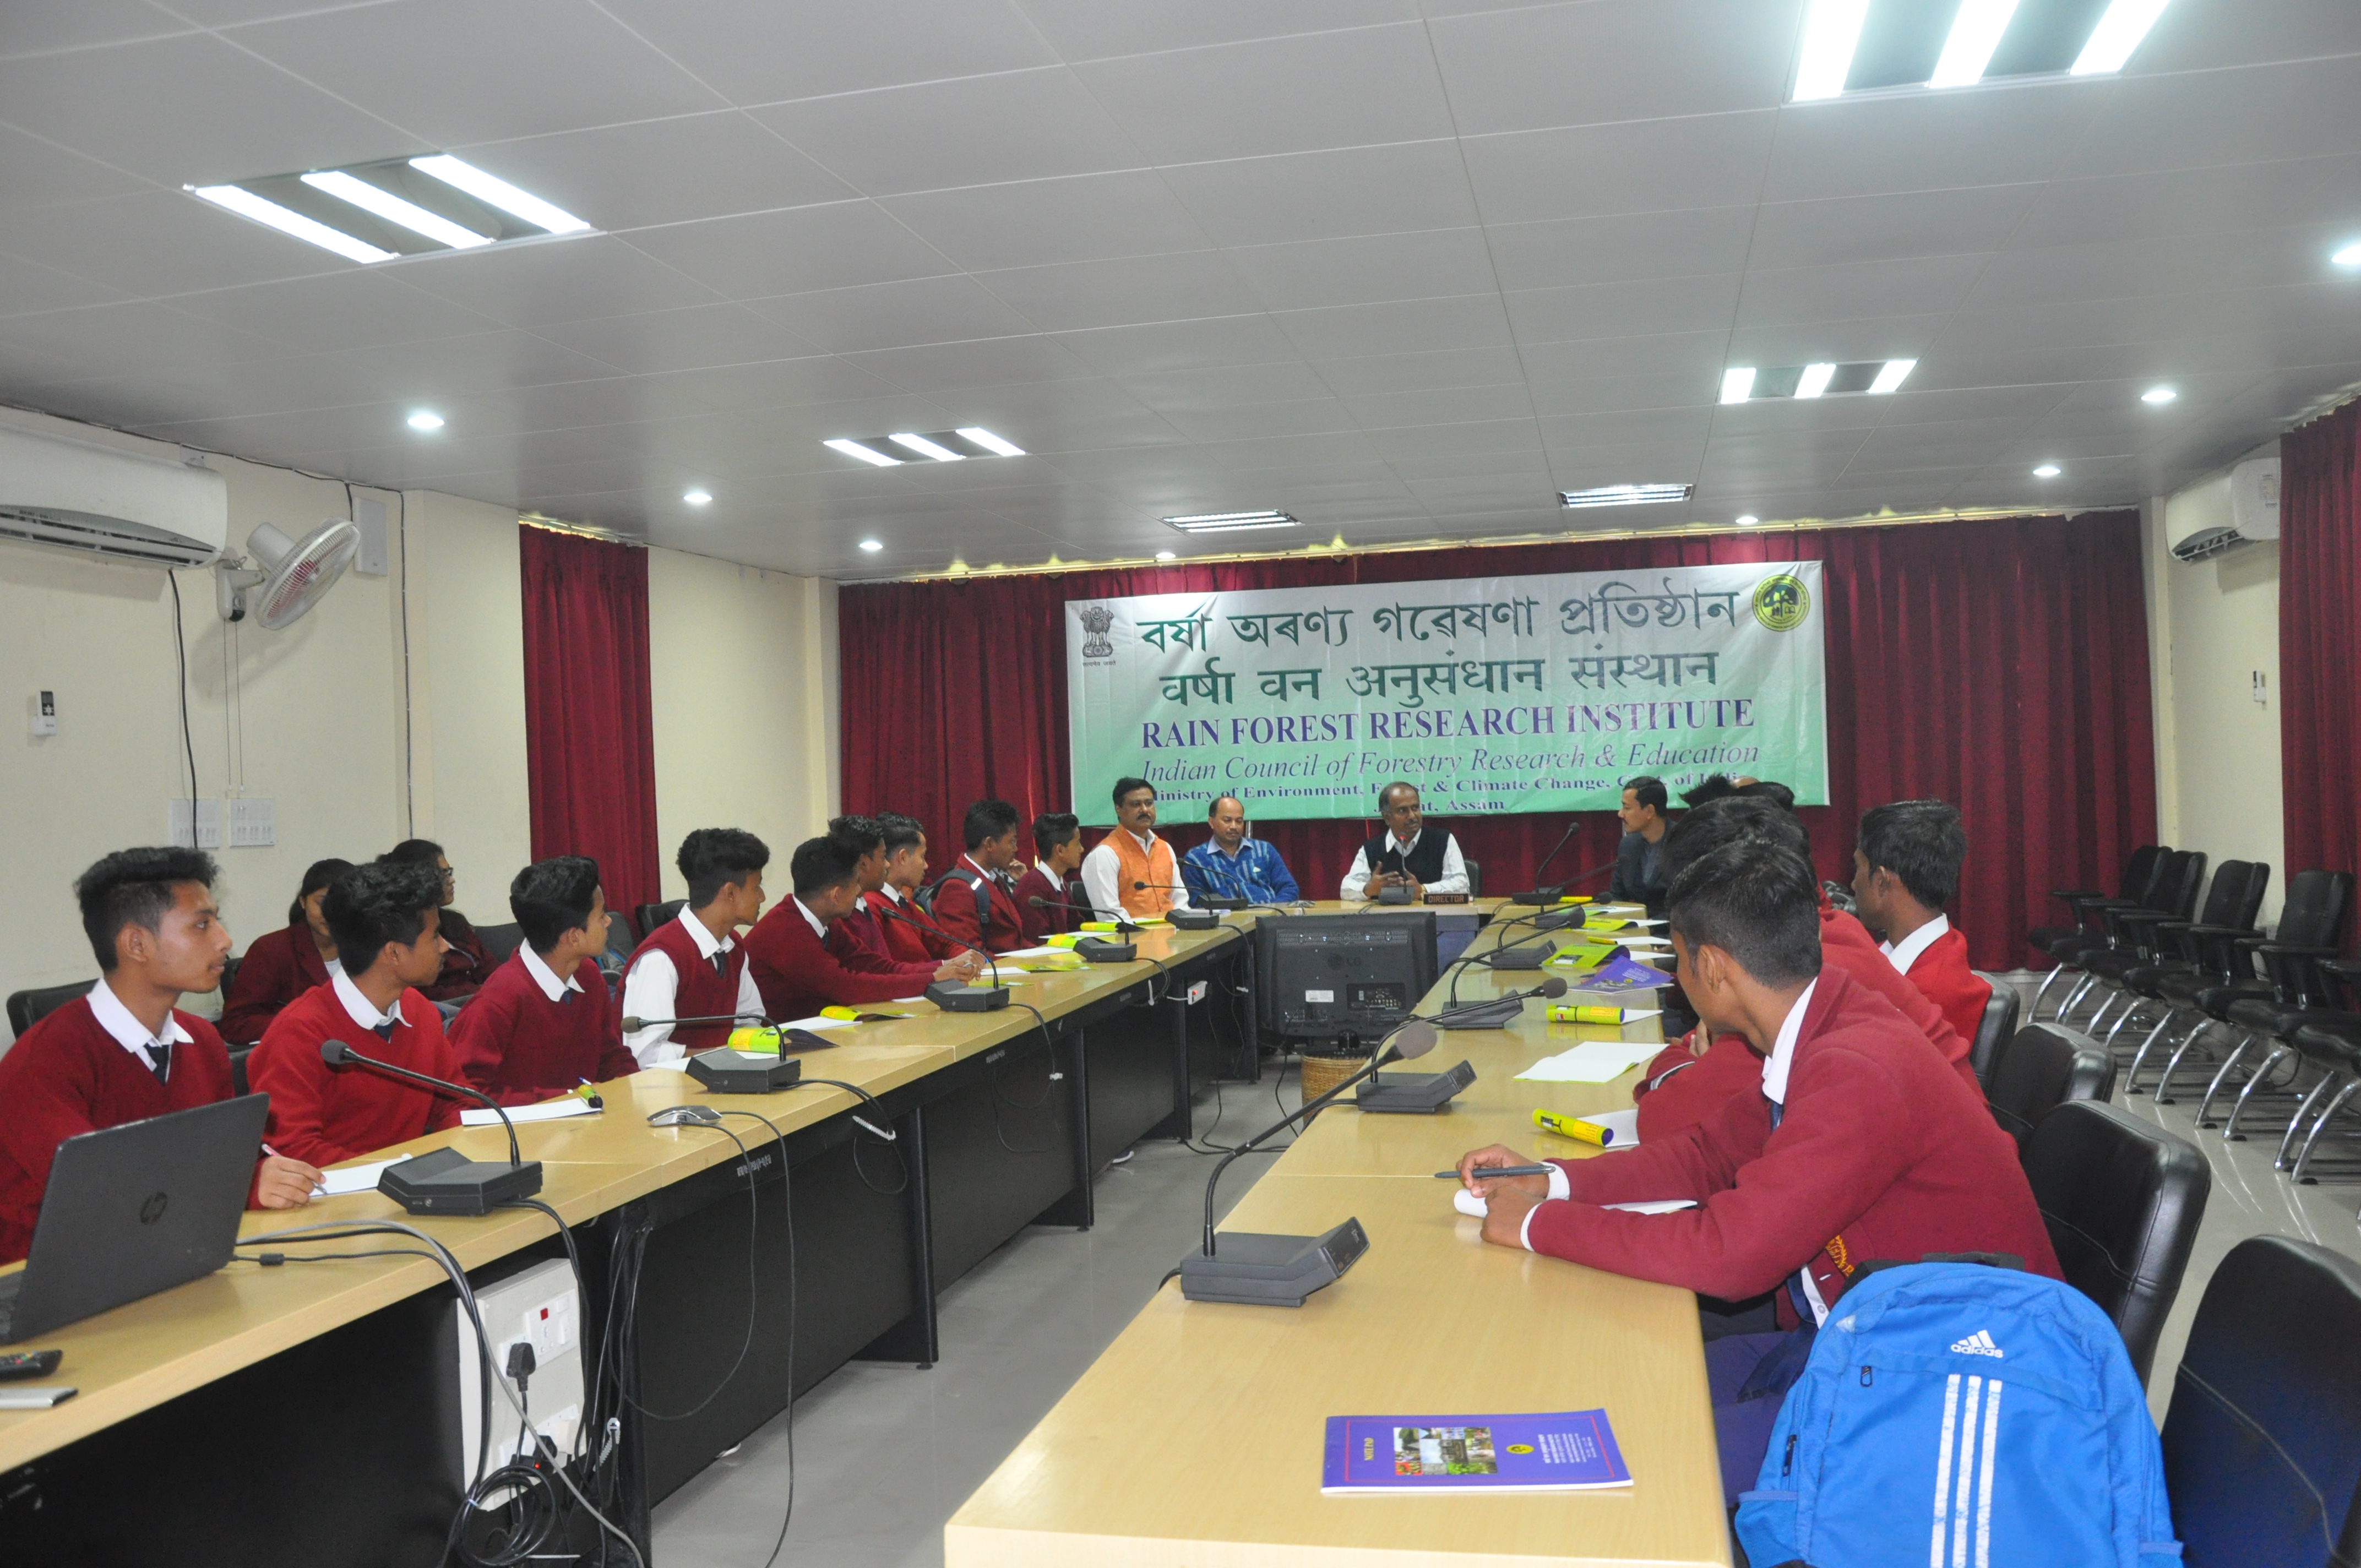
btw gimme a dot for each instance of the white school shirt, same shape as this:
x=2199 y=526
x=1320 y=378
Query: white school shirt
x=652 y=986
x=131 y=1034
x=1906 y=953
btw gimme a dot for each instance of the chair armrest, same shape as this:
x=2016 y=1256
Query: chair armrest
x=2069 y=894
x=2223 y=931
x=2342 y=968
x=2282 y=949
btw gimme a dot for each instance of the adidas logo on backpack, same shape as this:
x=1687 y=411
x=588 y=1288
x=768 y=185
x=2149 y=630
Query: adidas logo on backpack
x=1883 y=1454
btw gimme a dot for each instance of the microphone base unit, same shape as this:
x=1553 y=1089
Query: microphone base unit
x=1217 y=901
x=746 y=1072
x=1524 y=956
x=1541 y=897
x=1253 y=1270
x=1412 y=1093
x=1193 y=919
x=955 y=998
x=1095 y=952
x=1393 y=895
x=1484 y=1016
x=446 y=1181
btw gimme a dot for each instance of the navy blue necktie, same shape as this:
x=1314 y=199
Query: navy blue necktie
x=383 y=1031
x=160 y=1060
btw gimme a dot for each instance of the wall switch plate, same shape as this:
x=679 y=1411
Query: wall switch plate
x=176 y=824
x=45 y=714
x=253 y=824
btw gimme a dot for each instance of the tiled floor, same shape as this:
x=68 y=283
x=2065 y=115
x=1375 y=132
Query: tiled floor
x=883 y=1454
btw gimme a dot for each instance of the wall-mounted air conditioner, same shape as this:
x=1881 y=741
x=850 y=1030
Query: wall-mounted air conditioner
x=2226 y=511
x=106 y=501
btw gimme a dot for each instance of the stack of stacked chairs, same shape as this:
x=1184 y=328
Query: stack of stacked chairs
x=2170 y=895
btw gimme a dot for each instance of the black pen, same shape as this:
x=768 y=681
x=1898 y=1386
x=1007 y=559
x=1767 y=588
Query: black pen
x=1486 y=1172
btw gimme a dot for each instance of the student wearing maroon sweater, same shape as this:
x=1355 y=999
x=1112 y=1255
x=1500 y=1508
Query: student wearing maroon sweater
x=1858 y=1143
x=799 y=969
x=124 y=1052
x=1692 y=1075
x=914 y=939
x=1905 y=868
x=1056 y=857
x=694 y=966
x=389 y=914
x=863 y=837
x=545 y=1023
x=466 y=961
x=990 y=831
x=282 y=965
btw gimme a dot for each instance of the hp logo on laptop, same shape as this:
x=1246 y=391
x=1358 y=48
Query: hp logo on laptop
x=153 y=1209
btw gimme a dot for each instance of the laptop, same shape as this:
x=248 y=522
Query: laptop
x=133 y=1209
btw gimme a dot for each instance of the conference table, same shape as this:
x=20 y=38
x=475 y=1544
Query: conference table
x=1196 y=1438
x=308 y=1412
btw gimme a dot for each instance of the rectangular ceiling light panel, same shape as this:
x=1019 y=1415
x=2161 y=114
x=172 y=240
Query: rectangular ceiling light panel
x=1625 y=495
x=1851 y=47
x=1821 y=379
x=1230 y=521
x=938 y=445
x=394 y=207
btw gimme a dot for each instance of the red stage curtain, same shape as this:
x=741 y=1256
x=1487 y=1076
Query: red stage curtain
x=2001 y=666
x=590 y=750
x=2320 y=592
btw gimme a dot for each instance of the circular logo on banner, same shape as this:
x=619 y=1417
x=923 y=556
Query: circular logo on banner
x=1781 y=603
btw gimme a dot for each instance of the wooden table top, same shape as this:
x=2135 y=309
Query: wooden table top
x=150 y=1350
x=1196 y=1438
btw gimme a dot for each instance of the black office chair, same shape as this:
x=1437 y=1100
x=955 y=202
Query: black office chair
x=500 y=942
x=238 y=1054
x=2122 y=1198
x=2156 y=944
x=2262 y=1443
x=1999 y=1023
x=2139 y=874
x=26 y=1008
x=2171 y=895
x=1475 y=877
x=2040 y=1067
x=2308 y=929
x=651 y=916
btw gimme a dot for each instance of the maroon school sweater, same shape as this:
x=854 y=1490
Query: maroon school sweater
x=1882 y=1152
x=66 y=1076
x=322 y=1114
x=519 y=1047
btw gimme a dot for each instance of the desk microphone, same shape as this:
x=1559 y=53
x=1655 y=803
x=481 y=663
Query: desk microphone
x=1284 y=1271
x=1550 y=895
x=444 y=1181
x=949 y=996
x=1209 y=899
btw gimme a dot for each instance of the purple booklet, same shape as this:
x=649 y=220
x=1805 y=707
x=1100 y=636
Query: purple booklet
x=1567 y=1451
x=1622 y=973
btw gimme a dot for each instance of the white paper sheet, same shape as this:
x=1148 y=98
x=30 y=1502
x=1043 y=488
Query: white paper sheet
x=1467 y=1203
x=817 y=1022
x=1593 y=1061
x=353 y=1179
x=547 y=1111
x=1033 y=952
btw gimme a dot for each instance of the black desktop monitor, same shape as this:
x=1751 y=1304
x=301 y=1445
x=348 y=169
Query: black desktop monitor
x=1325 y=977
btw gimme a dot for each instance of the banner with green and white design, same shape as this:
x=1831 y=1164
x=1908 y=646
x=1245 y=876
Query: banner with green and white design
x=1490 y=693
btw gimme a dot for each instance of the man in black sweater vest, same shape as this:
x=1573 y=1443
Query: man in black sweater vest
x=1405 y=854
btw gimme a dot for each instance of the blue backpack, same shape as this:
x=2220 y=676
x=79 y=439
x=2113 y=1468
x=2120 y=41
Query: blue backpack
x=1962 y=1415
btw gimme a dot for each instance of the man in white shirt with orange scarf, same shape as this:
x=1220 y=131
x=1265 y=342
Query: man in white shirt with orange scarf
x=1130 y=856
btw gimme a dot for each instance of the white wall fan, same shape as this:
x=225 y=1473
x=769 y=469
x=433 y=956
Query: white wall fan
x=284 y=580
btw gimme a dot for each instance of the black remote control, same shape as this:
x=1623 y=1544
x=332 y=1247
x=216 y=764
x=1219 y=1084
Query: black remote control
x=30 y=1363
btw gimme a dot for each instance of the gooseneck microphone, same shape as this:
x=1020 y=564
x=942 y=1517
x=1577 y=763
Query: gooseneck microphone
x=947 y=994
x=1123 y=926
x=634 y=1024
x=1284 y=1271
x=1181 y=917
x=444 y=1181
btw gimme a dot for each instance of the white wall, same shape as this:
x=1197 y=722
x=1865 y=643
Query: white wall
x=743 y=668
x=300 y=717
x=395 y=708
x=2212 y=626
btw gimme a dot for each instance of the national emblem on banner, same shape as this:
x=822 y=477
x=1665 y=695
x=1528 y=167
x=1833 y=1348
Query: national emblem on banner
x=1097 y=619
